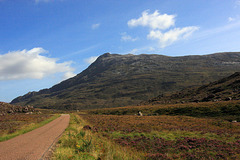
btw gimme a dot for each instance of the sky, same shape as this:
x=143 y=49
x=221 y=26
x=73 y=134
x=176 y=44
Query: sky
x=43 y=42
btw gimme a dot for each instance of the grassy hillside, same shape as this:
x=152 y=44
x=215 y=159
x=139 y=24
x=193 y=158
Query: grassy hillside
x=118 y=80
x=225 y=89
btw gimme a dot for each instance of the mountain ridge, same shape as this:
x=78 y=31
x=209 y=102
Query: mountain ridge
x=115 y=80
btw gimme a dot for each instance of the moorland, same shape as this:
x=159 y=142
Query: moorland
x=190 y=113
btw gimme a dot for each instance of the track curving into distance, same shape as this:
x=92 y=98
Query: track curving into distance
x=33 y=145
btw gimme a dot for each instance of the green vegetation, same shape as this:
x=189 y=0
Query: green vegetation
x=11 y=126
x=225 y=89
x=79 y=142
x=174 y=135
x=221 y=110
x=203 y=111
x=171 y=137
x=173 y=131
x=205 y=134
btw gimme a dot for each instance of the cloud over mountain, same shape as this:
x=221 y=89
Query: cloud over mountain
x=167 y=38
x=162 y=27
x=154 y=21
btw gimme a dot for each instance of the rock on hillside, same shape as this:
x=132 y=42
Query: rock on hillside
x=6 y=108
x=225 y=89
x=115 y=80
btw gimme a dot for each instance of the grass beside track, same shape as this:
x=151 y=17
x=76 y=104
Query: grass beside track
x=27 y=128
x=79 y=142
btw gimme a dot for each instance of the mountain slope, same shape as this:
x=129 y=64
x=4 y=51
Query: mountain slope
x=222 y=90
x=117 y=80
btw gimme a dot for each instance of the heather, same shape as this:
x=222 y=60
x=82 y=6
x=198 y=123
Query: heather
x=171 y=137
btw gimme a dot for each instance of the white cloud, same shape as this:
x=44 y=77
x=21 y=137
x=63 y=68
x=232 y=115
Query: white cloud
x=90 y=60
x=230 y=19
x=167 y=38
x=161 y=28
x=126 y=37
x=31 y=64
x=154 y=21
x=95 y=26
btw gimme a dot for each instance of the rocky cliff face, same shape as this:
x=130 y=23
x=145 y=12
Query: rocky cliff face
x=117 y=80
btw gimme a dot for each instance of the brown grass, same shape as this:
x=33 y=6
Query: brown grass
x=11 y=123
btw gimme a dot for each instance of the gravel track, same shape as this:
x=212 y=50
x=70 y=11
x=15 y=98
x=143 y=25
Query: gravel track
x=35 y=144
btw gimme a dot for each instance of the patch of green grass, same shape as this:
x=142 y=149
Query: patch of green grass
x=27 y=128
x=64 y=153
x=174 y=135
x=77 y=143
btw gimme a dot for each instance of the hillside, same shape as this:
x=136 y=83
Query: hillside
x=222 y=90
x=115 y=80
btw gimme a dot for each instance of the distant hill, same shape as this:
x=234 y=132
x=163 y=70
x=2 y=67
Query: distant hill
x=6 y=108
x=115 y=80
x=225 y=89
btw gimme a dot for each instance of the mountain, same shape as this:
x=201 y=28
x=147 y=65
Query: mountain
x=115 y=80
x=225 y=89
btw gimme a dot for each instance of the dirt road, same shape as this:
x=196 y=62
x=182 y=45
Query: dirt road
x=33 y=145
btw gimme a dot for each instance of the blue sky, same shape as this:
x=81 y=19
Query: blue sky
x=43 y=42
